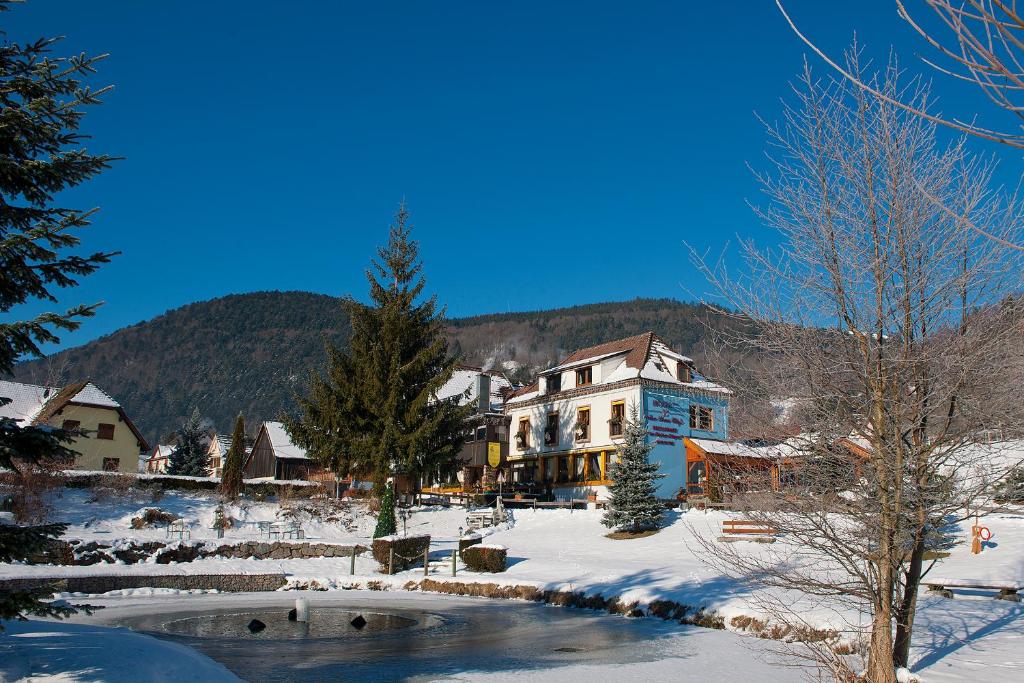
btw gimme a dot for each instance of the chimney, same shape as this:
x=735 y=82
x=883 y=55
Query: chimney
x=483 y=393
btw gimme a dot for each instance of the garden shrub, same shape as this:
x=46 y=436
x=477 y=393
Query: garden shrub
x=408 y=550
x=467 y=541
x=151 y=517
x=485 y=558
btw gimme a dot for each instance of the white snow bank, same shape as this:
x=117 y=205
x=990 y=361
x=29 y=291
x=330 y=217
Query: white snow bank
x=59 y=651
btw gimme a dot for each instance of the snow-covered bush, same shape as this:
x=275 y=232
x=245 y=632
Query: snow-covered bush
x=485 y=558
x=408 y=551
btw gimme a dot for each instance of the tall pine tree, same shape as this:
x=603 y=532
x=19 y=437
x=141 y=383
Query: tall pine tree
x=190 y=458
x=42 y=103
x=373 y=413
x=231 y=474
x=634 y=505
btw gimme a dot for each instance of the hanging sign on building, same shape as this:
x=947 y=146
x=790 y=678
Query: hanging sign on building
x=493 y=453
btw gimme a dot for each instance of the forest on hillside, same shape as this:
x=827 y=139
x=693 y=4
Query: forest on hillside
x=252 y=353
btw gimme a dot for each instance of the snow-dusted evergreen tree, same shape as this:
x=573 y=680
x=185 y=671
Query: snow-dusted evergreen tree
x=633 y=506
x=189 y=457
x=386 y=522
x=43 y=101
x=234 y=461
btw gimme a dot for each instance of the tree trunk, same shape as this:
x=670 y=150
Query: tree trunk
x=908 y=606
x=880 y=668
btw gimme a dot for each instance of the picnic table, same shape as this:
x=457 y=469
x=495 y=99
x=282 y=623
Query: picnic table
x=180 y=529
x=284 y=530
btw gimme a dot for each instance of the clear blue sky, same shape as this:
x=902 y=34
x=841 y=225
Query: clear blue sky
x=551 y=153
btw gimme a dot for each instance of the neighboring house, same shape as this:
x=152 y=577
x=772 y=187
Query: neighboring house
x=217 y=451
x=568 y=424
x=109 y=441
x=159 y=458
x=274 y=456
x=487 y=435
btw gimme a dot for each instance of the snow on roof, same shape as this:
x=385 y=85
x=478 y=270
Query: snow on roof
x=645 y=356
x=93 y=395
x=462 y=386
x=162 y=451
x=737 y=449
x=282 y=443
x=26 y=400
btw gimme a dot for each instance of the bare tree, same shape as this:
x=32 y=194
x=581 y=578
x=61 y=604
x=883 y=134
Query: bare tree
x=892 y=323
x=978 y=41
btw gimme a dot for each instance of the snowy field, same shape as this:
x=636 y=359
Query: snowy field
x=972 y=637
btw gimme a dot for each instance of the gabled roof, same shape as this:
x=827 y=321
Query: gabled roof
x=644 y=356
x=36 y=405
x=636 y=348
x=26 y=400
x=281 y=443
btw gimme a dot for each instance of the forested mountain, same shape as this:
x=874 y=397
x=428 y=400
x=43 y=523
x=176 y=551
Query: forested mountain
x=253 y=352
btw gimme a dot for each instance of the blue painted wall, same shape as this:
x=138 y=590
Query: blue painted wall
x=667 y=416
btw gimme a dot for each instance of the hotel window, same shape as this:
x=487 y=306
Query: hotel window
x=548 y=465
x=70 y=425
x=702 y=418
x=111 y=464
x=578 y=463
x=105 y=431
x=583 y=424
x=593 y=466
x=551 y=430
x=554 y=383
x=616 y=423
x=481 y=433
x=584 y=377
x=563 y=469
x=523 y=435
x=684 y=372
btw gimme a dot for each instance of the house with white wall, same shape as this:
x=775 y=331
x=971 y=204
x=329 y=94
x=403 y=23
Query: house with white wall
x=568 y=424
x=106 y=439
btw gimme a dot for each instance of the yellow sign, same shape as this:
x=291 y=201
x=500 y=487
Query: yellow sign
x=493 y=453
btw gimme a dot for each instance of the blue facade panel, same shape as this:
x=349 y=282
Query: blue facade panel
x=666 y=415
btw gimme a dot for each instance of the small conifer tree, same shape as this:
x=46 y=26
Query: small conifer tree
x=386 y=522
x=189 y=457
x=231 y=475
x=633 y=505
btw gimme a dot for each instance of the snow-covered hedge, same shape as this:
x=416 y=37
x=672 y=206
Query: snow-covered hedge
x=485 y=558
x=259 y=488
x=408 y=550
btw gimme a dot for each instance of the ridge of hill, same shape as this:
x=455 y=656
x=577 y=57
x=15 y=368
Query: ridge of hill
x=252 y=353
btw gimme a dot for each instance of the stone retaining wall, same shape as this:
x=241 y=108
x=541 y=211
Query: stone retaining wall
x=91 y=553
x=227 y=583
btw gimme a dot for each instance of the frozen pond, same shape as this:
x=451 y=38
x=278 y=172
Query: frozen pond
x=407 y=636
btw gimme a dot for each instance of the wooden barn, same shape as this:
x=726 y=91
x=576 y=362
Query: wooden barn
x=274 y=456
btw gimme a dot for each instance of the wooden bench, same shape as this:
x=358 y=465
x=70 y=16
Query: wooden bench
x=945 y=589
x=480 y=519
x=747 y=530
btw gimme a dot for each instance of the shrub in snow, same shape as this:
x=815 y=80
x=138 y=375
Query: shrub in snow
x=468 y=540
x=485 y=558
x=408 y=551
x=633 y=505
x=152 y=517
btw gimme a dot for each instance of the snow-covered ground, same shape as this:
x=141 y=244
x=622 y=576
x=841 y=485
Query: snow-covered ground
x=61 y=651
x=568 y=551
